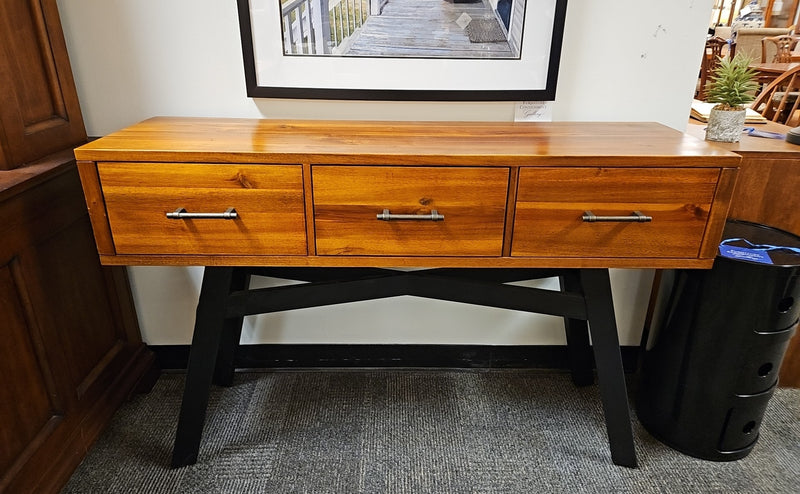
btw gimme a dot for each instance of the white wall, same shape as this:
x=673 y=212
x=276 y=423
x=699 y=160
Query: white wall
x=628 y=60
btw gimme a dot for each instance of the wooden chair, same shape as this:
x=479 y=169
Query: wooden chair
x=780 y=100
x=711 y=57
x=783 y=45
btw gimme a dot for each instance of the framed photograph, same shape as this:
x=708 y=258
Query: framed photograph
x=424 y=50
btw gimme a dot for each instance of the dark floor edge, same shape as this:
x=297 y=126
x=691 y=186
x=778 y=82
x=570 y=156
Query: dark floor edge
x=173 y=357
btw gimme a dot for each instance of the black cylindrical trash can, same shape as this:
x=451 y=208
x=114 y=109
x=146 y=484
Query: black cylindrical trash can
x=712 y=365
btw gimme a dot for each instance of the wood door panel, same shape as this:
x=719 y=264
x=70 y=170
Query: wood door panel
x=25 y=406
x=347 y=200
x=72 y=333
x=552 y=201
x=268 y=200
x=39 y=109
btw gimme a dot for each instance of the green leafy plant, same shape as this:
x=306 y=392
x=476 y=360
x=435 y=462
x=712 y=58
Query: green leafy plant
x=733 y=83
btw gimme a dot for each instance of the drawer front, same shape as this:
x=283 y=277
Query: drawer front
x=349 y=199
x=268 y=201
x=551 y=203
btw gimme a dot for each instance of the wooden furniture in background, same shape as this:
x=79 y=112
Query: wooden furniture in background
x=748 y=39
x=767 y=192
x=781 y=47
x=711 y=57
x=71 y=350
x=725 y=12
x=779 y=101
x=353 y=196
x=768 y=72
x=782 y=16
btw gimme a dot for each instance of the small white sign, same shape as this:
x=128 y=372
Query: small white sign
x=533 y=111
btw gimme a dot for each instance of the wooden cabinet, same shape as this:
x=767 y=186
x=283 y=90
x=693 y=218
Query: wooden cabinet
x=71 y=350
x=39 y=110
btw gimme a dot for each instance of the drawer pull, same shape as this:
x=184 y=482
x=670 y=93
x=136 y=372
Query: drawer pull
x=635 y=217
x=434 y=216
x=182 y=214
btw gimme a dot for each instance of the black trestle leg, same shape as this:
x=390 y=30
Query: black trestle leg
x=610 y=374
x=577 y=332
x=585 y=293
x=210 y=318
x=231 y=334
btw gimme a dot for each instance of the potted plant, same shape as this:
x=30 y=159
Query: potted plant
x=732 y=86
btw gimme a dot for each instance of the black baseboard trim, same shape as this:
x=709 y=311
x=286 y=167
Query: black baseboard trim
x=269 y=356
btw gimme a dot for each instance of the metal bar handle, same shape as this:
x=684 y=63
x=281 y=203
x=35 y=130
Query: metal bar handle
x=635 y=217
x=434 y=216
x=182 y=214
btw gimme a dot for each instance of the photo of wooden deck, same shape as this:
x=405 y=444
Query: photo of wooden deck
x=426 y=28
x=470 y=29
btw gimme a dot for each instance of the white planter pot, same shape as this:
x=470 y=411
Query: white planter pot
x=725 y=125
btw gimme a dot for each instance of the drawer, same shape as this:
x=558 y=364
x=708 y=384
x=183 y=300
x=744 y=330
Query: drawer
x=268 y=200
x=551 y=203
x=349 y=199
x=743 y=421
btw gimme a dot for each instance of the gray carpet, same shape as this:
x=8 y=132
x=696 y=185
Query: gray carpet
x=415 y=431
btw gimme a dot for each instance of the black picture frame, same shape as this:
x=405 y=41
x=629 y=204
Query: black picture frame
x=258 y=87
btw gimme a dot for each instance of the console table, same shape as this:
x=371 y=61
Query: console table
x=338 y=204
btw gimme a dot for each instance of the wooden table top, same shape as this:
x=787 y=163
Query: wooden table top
x=749 y=144
x=462 y=143
x=774 y=67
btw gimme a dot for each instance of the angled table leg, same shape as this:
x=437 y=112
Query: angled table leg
x=231 y=334
x=610 y=374
x=217 y=336
x=211 y=307
x=577 y=332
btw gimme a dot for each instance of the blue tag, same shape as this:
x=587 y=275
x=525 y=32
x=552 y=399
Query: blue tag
x=745 y=254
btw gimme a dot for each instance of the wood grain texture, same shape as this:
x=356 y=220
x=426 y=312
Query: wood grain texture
x=551 y=202
x=25 y=404
x=39 y=109
x=511 y=208
x=268 y=200
x=96 y=205
x=409 y=261
x=768 y=178
x=767 y=191
x=719 y=213
x=74 y=351
x=18 y=180
x=308 y=196
x=408 y=168
x=347 y=200
x=214 y=140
